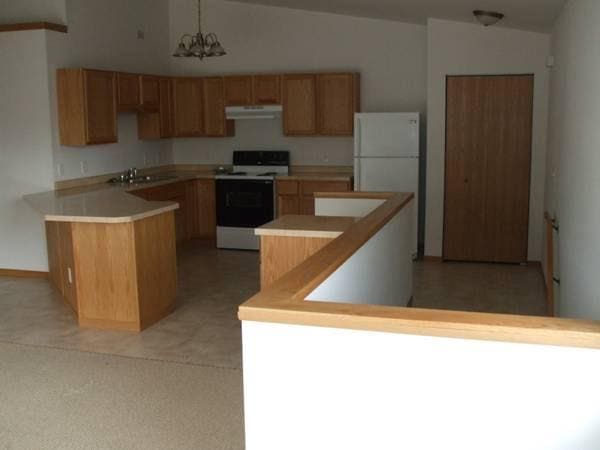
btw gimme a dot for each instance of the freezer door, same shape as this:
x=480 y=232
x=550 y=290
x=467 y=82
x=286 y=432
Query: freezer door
x=390 y=175
x=384 y=135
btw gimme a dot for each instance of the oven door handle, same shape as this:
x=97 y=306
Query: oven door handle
x=227 y=201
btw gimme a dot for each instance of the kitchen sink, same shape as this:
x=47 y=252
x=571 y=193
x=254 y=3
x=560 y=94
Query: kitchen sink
x=141 y=179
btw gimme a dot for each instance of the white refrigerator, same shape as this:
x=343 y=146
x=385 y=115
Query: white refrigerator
x=386 y=156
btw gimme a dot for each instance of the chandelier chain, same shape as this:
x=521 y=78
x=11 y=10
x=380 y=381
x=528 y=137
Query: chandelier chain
x=200 y=16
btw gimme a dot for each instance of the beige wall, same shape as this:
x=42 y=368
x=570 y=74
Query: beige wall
x=18 y=11
x=25 y=152
x=103 y=35
x=390 y=56
x=463 y=49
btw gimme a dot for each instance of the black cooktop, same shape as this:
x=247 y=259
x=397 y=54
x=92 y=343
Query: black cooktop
x=261 y=158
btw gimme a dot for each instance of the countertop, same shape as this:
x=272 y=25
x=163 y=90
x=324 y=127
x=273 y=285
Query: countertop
x=113 y=203
x=316 y=176
x=307 y=226
x=105 y=203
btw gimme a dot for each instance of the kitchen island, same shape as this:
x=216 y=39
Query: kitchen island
x=111 y=255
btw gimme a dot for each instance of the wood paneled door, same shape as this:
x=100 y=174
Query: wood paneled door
x=488 y=165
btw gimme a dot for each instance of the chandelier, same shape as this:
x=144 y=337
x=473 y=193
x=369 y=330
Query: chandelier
x=199 y=45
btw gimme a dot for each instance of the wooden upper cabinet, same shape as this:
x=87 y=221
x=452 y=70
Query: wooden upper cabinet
x=128 y=92
x=149 y=92
x=238 y=90
x=266 y=89
x=188 y=106
x=156 y=122
x=214 y=108
x=86 y=107
x=338 y=100
x=300 y=104
x=167 y=119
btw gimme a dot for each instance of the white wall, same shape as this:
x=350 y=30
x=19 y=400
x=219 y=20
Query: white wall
x=574 y=156
x=20 y=11
x=324 y=388
x=463 y=49
x=390 y=56
x=25 y=154
x=103 y=35
x=390 y=251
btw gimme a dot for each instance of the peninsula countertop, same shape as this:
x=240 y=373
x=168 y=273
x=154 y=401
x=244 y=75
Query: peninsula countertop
x=105 y=203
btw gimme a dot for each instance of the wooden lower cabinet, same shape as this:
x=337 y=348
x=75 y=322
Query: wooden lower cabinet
x=297 y=196
x=119 y=276
x=202 y=215
x=280 y=254
x=61 y=261
x=196 y=217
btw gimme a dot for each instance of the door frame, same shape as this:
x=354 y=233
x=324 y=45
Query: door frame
x=448 y=77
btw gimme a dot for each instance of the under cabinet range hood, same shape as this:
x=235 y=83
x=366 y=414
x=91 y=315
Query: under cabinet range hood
x=253 y=112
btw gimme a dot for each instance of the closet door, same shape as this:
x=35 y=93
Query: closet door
x=488 y=164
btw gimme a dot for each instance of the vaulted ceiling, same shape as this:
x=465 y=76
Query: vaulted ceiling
x=536 y=15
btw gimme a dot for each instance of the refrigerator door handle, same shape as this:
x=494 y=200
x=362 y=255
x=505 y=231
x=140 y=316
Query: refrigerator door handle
x=357 y=135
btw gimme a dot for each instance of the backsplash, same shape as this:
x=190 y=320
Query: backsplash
x=265 y=135
x=78 y=162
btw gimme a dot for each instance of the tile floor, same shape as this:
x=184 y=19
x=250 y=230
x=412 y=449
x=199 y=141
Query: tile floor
x=204 y=329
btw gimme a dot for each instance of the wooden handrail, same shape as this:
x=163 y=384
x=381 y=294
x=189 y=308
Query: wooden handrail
x=285 y=301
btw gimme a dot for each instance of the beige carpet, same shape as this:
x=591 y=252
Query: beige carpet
x=65 y=399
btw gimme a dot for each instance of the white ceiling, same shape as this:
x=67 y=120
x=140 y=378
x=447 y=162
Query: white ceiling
x=536 y=15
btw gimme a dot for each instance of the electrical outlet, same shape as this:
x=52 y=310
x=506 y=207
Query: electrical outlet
x=60 y=170
x=84 y=167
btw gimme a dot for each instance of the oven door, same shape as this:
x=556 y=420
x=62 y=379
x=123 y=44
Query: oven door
x=244 y=203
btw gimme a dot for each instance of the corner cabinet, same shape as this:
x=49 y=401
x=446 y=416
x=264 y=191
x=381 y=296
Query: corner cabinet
x=188 y=100
x=156 y=120
x=87 y=111
x=128 y=92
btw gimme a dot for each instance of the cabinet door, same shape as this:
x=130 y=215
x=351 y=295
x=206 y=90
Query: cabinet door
x=100 y=106
x=207 y=225
x=337 y=103
x=128 y=92
x=214 y=107
x=288 y=204
x=166 y=108
x=238 y=90
x=299 y=105
x=149 y=92
x=188 y=107
x=266 y=89
x=307 y=205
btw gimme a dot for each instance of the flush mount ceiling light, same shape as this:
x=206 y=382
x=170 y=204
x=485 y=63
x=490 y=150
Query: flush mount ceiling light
x=487 y=18
x=198 y=45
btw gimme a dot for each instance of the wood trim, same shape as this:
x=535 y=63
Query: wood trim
x=284 y=302
x=16 y=273
x=34 y=26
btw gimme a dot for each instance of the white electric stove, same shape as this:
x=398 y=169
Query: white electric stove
x=246 y=197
